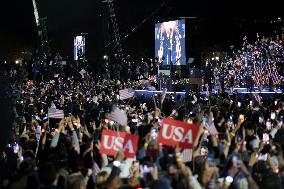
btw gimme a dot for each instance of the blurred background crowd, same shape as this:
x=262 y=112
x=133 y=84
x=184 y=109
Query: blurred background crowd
x=256 y=63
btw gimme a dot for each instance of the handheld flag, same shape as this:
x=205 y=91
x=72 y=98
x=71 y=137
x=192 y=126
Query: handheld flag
x=126 y=93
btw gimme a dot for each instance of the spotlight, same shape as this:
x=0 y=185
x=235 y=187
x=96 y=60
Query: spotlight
x=217 y=58
x=105 y=57
x=17 y=61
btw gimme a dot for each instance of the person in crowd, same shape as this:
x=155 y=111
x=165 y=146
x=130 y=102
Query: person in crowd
x=54 y=140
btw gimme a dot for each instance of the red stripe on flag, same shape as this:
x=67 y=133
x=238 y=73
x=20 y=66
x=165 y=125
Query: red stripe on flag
x=125 y=94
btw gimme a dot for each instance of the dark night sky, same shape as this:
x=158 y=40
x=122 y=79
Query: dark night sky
x=217 y=25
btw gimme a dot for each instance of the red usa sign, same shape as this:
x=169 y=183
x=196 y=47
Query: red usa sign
x=113 y=141
x=173 y=132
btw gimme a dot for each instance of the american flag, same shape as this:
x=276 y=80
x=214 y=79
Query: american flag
x=145 y=82
x=259 y=75
x=186 y=155
x=163 y=96
x=126 y=93
x=96 y=170
x=55 y=113
x=257 y=97
x=210 y=126
x=118 y=116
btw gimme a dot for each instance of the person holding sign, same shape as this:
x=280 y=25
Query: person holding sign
x=173 y=132
x=112 y=142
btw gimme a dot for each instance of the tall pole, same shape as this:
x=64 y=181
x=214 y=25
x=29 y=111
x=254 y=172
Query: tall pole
x=117 y=37
x=171 y=63
x=159 y=80
x=36 y=13
x=42 y=30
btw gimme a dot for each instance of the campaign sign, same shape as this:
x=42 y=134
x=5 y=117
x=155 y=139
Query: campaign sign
x=113 y=141
x=130 y=145
x=173 y=133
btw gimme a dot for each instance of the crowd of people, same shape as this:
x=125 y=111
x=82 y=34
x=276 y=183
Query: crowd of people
x=257 y=63
x=45 y=152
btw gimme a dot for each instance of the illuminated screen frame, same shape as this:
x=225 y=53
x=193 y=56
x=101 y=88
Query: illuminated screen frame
x=170 y=42
x=79 y=43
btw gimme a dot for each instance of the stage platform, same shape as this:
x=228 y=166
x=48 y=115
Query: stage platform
x=241 y=91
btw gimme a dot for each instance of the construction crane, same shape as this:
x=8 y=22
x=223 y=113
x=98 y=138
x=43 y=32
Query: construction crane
x=43 y=46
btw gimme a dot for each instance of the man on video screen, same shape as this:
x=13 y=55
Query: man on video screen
x=170 y=43
x=79 y=47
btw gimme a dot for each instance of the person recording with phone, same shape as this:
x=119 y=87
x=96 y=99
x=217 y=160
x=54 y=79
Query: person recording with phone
x=237 y=175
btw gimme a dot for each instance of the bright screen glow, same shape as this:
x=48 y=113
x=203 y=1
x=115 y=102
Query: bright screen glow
x=170 y=42
x=79 y=47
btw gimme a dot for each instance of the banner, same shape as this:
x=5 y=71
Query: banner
x=130 y=146
x=173 y=132
x=113 y=141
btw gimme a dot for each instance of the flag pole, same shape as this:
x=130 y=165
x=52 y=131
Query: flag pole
x=163 y=97
x=130 y=100
x=161 y=106
x=154 y=100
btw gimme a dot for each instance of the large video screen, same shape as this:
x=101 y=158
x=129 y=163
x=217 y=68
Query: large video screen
x=79 y=47
x=170 y=42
